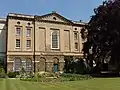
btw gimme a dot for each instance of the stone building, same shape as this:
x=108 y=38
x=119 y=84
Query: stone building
x=2 y=40
x=41 y=43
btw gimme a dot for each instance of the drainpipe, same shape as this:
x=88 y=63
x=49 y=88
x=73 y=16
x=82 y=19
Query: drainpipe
x=5 y=62
x=34 y=47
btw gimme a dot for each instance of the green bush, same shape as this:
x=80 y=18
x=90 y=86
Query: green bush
x=13 y=74
x=63 y=77
x=75 y=77
x=44 y=74
x=2 y=70
x=2 y=73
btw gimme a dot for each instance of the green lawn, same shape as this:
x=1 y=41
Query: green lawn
x=93 y=84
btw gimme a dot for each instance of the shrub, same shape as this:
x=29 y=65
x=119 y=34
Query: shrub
x=13 y=74
x=63 y=77
x=2 y=70
x=44 y=74
x=75 y=77
x=2 y=73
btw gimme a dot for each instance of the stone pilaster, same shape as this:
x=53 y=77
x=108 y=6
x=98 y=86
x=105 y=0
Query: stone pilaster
x=10 y=67
x=61 y=66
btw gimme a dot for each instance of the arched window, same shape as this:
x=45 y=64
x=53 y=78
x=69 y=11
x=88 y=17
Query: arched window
x=28 y=65
x=17 y=64
x=55 y=39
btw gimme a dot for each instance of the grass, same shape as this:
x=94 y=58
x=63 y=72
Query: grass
x=92 y=84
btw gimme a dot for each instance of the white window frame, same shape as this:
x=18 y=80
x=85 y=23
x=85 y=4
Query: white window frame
x=18 y=33
x=58 y=36
x=28 y=34
x=28 y=46
x=17 y=42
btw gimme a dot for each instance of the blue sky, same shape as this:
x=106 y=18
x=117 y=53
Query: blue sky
x=71 y=9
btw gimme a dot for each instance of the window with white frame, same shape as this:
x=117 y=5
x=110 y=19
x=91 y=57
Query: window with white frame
x=17 y=64
x=55 y=39
x=28 y=43
x=18 y=31
x=17 y=43
x=28 y=32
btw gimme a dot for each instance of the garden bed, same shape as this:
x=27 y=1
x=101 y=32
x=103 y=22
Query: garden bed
x=62 y=78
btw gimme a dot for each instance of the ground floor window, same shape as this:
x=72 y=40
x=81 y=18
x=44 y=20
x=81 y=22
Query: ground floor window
x=17 y=64
x=28 y=65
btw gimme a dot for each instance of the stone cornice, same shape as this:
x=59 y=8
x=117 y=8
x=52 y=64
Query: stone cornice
x=39 y=19
x=55 y=14
x=54 y=22
x=20 y=18
x=3 y=20
x=79 y=25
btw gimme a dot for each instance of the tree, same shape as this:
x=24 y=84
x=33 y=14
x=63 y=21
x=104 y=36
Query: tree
x=103 y=39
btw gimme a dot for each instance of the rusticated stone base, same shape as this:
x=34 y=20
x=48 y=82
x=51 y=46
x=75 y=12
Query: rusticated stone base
x=42 y=63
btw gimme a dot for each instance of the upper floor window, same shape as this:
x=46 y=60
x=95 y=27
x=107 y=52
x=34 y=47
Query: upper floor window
x=18 y=31
x=28 y=33
x=75 y=35
x=17 y=43
x=28 y=44
x=55 y=39
x=76 y=46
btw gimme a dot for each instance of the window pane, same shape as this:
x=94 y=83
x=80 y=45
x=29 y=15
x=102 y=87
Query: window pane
x=28 y=65
x=28 y=31
x=76 y=46
x=75 y=36
x=17 y=42
x=28 y=44
x=17 y=64
x=55 y=39
x=18 y=30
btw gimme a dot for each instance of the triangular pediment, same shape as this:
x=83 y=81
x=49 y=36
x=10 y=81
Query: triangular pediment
x=54 y=17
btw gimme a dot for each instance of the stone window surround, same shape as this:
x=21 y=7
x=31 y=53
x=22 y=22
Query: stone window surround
x=58 y=37
x=18 y=30
x=75 y=35
x=27 y=66
x=28 y=43
x=18 y=43
x=28 y=31
x=76 y=46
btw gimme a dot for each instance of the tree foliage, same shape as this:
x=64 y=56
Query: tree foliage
x=103 y=39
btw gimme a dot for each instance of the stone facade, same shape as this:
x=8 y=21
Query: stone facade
x=52 y=37
x=2 y=40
